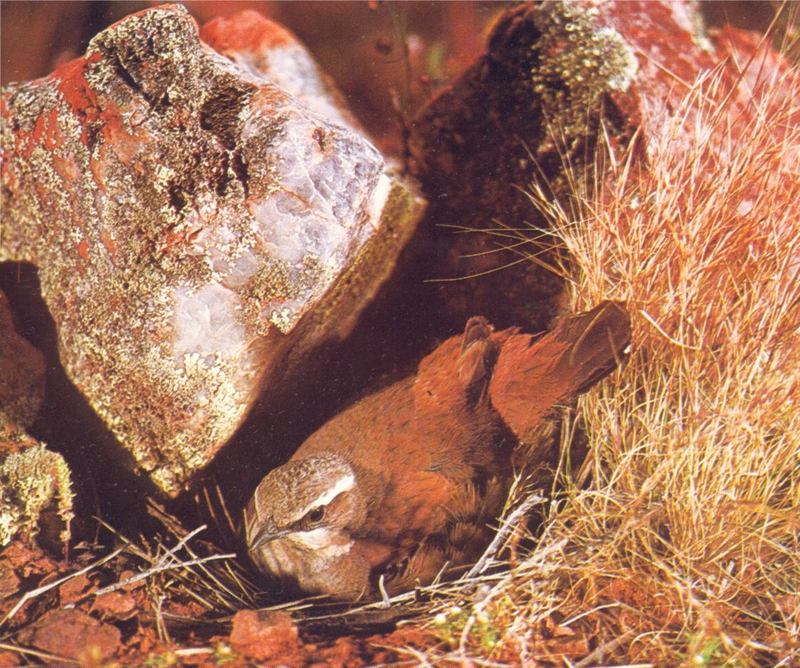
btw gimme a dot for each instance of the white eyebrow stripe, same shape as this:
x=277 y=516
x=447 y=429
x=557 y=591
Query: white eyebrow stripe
x=344 y=484
x=322 y=541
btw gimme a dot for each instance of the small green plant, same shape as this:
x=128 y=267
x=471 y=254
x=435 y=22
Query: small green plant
x=223 y=654
x=161 y=660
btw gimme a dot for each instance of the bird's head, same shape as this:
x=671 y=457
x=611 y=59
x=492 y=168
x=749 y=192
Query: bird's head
x=299 y=521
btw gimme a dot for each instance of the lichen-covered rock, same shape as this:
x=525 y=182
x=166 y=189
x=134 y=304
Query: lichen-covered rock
x=554 y=74
x=577 y=59
x=267 y=49
x=32 y=480
x=194 y=225
x=21 y=374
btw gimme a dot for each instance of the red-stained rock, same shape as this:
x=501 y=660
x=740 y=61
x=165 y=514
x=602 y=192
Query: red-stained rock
x=73 y=589
x=269 y=50
x=674 y=50
x=263 y=635
x=553 y=69
x=9 y=582
x=70 y=634
x=24 y=566
x=9 y=659
x=193 y=224
x=28 y=561
x=115 y=605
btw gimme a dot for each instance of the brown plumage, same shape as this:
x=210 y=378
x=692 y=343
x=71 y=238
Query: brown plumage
x=411 y=478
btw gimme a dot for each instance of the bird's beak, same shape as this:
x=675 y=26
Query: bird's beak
x=267 y=534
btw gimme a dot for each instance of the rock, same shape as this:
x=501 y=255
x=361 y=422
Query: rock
x=9 y=582
x=269 y=50
x=21 y=374
x=478 y=145
x=551 y=69
x=8 y=659
x=34 y=483
x=197 y=228
x=71 y=634
x=27 y=561
x=115 y=605
x=22 y=567
x=262 y=635
x=73 y=589
x=32 y=479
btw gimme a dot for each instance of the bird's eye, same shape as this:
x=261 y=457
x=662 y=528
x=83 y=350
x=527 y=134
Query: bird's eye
x=316 y=515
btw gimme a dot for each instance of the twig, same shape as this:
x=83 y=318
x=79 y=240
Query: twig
x=192 y=651
x=180 y=544
x=161 y=626
x=39 y=655
x=385 y=602
x=27 y=596
x=213 y=578
x=661 y=331
x=487 y=558
x=160 y=568
x=600 y=652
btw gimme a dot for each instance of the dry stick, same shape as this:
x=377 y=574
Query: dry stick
x=599 y=653
x=230 y=529
x=192 y=651
x=160 y=569
x=487 y=558
x=27 y=596
x=170 y=553
x=39 y=655
x=161 y=626
x=241 y=581
x=172 y=524
x=224 y=506
x=211 y=576
x=168 y=561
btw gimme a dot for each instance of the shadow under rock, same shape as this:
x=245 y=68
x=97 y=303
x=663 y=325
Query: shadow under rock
x=101 y=469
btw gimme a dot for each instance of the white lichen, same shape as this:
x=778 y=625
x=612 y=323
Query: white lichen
x=32 y=480
x=577 y=62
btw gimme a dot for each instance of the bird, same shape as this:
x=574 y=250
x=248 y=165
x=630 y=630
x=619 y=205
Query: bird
x=411 y=479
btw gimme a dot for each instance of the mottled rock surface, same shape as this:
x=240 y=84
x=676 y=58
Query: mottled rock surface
x=553 y=74
x=263 y=635
x=193 y=223
x=267 y=49
x=73 y=634
x=32 y=479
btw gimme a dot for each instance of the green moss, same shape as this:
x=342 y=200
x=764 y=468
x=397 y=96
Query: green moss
x=577 y=62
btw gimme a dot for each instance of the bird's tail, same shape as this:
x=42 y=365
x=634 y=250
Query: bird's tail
x=534 y=374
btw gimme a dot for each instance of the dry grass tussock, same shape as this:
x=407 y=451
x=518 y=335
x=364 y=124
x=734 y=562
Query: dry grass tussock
x=678 y=539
